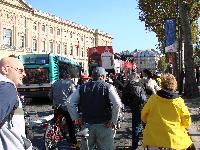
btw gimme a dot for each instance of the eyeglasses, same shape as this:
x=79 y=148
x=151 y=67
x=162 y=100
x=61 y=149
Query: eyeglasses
x=17 y=69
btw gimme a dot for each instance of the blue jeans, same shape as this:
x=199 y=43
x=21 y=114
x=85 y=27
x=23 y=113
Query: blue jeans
x=99 y=136
x=137 y=127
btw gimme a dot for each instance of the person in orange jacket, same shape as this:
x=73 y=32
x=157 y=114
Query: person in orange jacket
x=166 y=118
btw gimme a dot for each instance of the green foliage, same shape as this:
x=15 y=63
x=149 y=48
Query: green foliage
x=162 y=64
x=195 y=31
x=154 y=12
x=197 y=54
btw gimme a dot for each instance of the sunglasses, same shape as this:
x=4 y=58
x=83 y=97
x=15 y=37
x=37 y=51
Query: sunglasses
x=17 y=69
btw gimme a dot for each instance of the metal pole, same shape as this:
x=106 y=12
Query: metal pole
x=180 y=52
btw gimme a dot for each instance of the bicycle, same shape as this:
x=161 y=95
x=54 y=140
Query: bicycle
x=28 y=126
x=56 y=131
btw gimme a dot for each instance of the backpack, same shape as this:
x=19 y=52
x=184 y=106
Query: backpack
x=132 y=95
x=10 y=115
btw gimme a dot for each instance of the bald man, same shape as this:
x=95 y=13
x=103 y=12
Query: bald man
x=12 y=129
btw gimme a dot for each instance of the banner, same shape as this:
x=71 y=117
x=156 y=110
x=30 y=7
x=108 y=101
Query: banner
x=101 y=56
x=170 y=35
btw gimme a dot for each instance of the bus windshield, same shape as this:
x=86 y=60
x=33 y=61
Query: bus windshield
x=36 y=76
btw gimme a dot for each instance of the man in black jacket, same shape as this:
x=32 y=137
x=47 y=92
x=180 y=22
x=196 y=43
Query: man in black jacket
x=134 y=96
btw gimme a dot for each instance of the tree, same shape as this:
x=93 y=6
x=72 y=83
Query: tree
x=197 y=54
x=191 y=87
x=162 y=64
x=154 y=13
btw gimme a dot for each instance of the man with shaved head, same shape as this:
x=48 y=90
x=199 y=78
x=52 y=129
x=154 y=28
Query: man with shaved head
x=12 y=123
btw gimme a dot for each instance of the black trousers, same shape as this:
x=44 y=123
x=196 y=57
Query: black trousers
x=137 y=126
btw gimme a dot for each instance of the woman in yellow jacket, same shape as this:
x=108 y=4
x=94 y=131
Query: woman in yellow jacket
x=166 y=118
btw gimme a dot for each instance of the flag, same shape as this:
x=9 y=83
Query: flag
x=170 y=35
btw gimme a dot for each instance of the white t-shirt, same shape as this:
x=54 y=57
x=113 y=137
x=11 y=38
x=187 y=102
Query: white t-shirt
x=107 y=60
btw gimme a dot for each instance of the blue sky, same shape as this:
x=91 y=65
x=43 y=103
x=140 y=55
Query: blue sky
x=116 y=17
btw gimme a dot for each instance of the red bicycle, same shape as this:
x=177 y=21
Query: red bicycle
x=56 y=134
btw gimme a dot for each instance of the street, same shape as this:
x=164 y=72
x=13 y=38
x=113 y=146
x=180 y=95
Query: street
x=38 y=110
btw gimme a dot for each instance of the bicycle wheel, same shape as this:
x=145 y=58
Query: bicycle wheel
x=29 y=131
x=51 y=138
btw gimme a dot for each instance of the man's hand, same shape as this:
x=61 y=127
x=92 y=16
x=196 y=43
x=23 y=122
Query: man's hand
x=109 y=124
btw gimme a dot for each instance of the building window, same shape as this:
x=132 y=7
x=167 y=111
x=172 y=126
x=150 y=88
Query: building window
x=34 y=45
x=7 y=37
x=86 y=40
x=51 y=30
x=43 y=28
x=58 y=48
x=71 y=34
x=92 y=41
x=34 y=26
x=77 y=51
x=51 y=47
x=82 y=52
x=21 y=42
x=65 y=49
x=71 y=50
x=58 y=32
x=65 y=34
x=78 y=36
x=43 y=46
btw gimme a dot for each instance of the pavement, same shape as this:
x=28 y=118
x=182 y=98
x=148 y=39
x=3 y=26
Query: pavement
x=195 y=136
x=194 y=129
x=123 y=136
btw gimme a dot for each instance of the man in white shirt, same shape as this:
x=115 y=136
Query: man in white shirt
x=107 y=59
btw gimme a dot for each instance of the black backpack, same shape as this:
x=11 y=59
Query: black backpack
x=10 y=115
x=132 y=95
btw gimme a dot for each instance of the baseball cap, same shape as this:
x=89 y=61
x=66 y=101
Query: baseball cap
x=98 y=71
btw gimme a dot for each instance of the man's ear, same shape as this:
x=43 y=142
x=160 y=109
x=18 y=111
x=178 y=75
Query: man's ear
x=4 y=70
x=103 y=77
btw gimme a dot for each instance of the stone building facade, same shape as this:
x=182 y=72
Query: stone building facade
x=24 y=29
x=144 y=59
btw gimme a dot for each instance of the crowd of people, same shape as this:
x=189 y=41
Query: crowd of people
x=158 y=112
